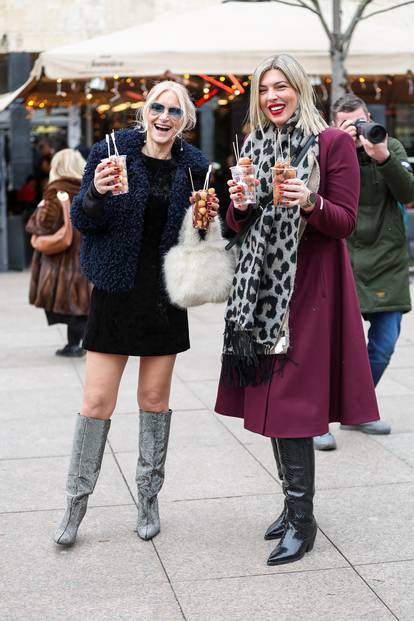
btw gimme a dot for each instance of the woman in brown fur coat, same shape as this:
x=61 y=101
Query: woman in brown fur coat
x=57 y=284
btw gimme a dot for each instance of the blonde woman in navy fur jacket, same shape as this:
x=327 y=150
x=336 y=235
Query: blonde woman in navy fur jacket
x=125 y=238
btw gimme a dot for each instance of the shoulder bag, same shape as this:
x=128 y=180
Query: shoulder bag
x=196 y=270
x=62 y=238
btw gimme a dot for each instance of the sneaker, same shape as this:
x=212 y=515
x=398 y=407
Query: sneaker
x=71 y=351
x=325 y=443
x=375 y=428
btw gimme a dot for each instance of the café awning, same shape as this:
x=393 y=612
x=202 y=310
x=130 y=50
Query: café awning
x=232 y=37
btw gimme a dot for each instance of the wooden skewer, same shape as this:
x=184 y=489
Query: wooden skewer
x=191 y=179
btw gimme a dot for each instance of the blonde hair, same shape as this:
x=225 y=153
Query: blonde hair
x=310 y=119
x=66 y=163
x=189 y=118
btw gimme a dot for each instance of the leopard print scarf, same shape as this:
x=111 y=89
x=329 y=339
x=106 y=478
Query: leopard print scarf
x=257 y=315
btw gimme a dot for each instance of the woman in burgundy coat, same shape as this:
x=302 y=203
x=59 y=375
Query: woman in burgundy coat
x=294 y=355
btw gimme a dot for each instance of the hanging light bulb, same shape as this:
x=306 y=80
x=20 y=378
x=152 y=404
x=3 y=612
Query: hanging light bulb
x=59 y=90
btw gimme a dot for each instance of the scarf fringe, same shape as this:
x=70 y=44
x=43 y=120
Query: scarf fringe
x=246 y=366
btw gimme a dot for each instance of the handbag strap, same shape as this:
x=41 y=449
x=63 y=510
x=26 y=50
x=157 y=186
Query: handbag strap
x=296 y=160
x=257 y=212
x=64 y=200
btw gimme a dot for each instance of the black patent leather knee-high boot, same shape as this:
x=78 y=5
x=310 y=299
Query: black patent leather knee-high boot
x=297 y=459
x=276 y=529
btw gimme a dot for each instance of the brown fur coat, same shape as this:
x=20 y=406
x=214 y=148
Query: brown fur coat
x=56 y=282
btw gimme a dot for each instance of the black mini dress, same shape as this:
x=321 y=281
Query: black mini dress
x=142 y=322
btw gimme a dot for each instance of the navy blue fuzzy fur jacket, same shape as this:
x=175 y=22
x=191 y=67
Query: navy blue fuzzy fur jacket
x=111 y=245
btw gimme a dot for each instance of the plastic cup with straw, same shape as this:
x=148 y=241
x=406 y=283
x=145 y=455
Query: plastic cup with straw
x=281 y=171
x=115 y=159
x=244 y=174
x=202 y=200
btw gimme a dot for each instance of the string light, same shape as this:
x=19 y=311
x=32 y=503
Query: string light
x=59 y=90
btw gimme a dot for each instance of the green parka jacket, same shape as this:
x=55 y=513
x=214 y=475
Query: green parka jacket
x=378 y=246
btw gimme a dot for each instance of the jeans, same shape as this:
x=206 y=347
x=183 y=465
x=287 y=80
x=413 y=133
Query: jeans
x=383 y=334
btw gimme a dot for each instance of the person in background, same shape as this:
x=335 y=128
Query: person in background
x=26 y=196
x=378 y=247
x=57 y=284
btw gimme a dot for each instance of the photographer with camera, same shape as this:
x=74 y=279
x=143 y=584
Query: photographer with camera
x=378 y=246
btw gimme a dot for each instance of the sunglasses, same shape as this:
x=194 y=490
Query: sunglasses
x=159 y=108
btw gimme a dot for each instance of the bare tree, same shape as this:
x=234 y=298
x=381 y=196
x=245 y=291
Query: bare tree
x=339 y=39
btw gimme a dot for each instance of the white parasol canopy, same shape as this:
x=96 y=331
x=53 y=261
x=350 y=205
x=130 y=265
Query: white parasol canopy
x=232 y=38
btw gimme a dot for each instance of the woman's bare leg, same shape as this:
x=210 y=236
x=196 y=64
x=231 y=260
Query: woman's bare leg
x=102 y=378
x=154 y=382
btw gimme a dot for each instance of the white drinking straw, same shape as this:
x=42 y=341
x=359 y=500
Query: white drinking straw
x=109 y=146
x=113 y=140
x=207 y=177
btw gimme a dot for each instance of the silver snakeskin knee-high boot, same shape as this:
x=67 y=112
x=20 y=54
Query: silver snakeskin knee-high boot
x=85 y=464
x=154 y=431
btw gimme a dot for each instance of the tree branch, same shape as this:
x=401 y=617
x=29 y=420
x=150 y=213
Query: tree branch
x=323 y=21
x=317 y=11
x=300 y=3
x=396 y=6
x=353 y=24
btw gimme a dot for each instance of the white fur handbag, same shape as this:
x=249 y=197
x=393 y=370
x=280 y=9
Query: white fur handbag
x=198 y=270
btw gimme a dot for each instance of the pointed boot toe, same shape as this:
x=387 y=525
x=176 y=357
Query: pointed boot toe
x=66 y=532
x=148 y=524
x=293 y=545
x=276 y=530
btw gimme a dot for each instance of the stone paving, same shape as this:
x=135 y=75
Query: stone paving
x=221 y=492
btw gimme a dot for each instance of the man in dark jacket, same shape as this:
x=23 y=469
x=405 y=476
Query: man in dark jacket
x=378 y=246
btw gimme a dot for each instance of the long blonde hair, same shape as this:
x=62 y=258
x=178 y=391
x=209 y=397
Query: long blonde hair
x=189 y=118
x=66 y=163
x=310 y=119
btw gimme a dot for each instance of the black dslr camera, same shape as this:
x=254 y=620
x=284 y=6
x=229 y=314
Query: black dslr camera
x=374 y=132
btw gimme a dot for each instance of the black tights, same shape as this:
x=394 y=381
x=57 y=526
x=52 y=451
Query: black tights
x=76 y=330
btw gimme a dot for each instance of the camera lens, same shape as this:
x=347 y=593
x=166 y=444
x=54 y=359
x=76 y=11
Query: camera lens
x=376 y=133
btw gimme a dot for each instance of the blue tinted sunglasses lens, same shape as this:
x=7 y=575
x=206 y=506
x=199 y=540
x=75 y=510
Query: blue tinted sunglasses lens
x=175 y=112
x=160 y=108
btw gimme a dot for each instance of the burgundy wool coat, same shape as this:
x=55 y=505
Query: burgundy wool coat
x=328 y=378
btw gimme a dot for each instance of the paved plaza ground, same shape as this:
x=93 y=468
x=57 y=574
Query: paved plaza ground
x=221 y=492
